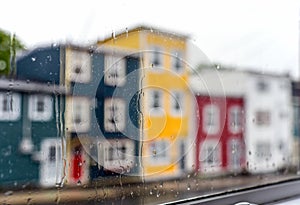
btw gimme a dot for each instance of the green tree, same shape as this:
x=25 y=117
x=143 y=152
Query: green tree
x=9 y=44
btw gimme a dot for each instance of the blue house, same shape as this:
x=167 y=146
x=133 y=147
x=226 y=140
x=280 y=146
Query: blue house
x=100 y=122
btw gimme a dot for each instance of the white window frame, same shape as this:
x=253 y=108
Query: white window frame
x=156 y=50
x=34 y=114
x=181 y=102
x=234 y=151
x=51 y=171
x=114 y=71
x=211 y=119
x=119 y=160
x=207 y=149
x=78 y=106
x=176 y=57
x=155 y=110
x=235 y=118
x=263 y=150
x=80 y=59
x=159 y=152
x=263 y=118
x=114 y=108
x=14 y=107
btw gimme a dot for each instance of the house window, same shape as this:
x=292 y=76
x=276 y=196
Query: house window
x=52 y=153
x=114 y=115
x=235 y=119
x=263 y=118
x=118 y=154
x=160 y=152
x=211 y=119
x=182 y=156
x=177 y=62
x=40 y=107
x=177 y=103
x=114 y=71
x=78 y=114
x=263 y=151
x=262 y=86
x=10 y=106
x=155 y=102
x=210 y=154
x=234 y=153
x=156 y=58
x=51 y=164
x=80 y=66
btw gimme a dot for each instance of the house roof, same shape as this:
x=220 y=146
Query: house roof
x=140 y=28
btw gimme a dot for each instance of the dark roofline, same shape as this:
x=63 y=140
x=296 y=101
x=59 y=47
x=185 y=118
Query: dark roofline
x=31 y=87
x=249 y=71
x=54 y=45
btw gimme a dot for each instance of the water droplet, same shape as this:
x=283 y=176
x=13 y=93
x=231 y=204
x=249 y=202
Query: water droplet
x=158 y=194
x=113 y=34
x=78 y=183
x=8 y=193
x=188 y=187
x=126 y=30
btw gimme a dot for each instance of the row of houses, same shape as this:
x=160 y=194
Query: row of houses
x=96 y=115
x=131 y=105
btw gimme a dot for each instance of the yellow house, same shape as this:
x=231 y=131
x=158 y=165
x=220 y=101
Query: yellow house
x=164 y=98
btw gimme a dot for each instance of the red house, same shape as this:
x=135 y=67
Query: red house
x=219 y=140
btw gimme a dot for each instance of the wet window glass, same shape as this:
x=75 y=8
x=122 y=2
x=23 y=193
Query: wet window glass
x=129 y=102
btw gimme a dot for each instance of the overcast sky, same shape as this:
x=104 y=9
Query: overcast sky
x=259 y=34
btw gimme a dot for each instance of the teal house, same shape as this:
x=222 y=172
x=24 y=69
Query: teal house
x=30 y=135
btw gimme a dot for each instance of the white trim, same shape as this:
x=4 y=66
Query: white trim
x=114 y=71
x=234 y=153
x=156 y=51
x=116 y=154
x=34 y=113
x=160 y=152
x=80 y=66
x=210 y=148
x=114 y=115
x=177 y=98
x=211 y=119
x=51 y=164
x=78 y=112
x=235 y=125
x=155 y=103
x=12 y=111
x=177 y=56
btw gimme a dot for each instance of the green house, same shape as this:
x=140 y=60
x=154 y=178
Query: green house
x=31 y=135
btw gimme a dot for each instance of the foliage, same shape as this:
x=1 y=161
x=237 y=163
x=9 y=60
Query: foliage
x=9 y=44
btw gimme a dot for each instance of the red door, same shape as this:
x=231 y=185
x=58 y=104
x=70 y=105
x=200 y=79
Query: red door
x=77 y=162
